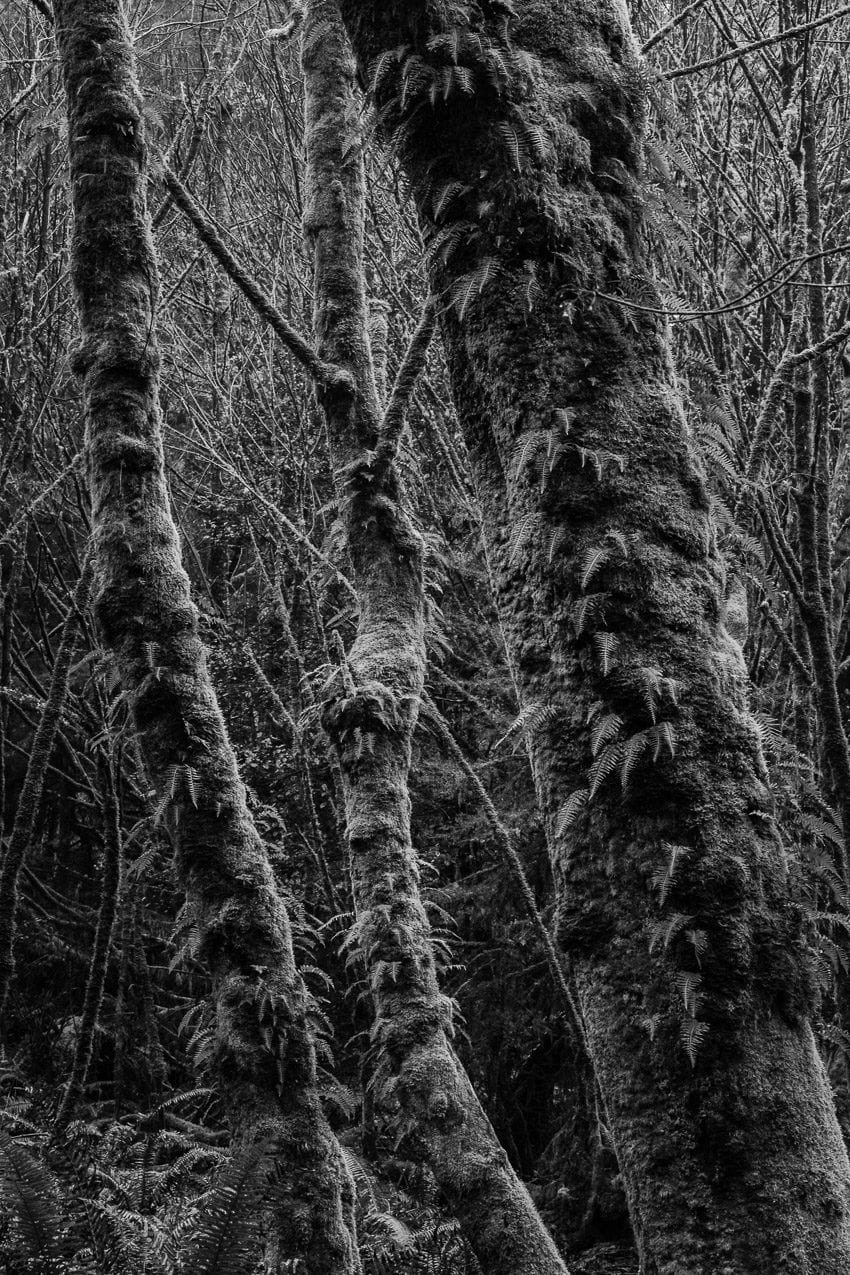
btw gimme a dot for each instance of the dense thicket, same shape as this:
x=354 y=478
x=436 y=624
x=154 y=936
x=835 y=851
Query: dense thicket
x=522 y=790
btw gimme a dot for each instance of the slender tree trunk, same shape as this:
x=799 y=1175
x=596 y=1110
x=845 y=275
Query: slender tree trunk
x=264 y=1058
x=98 y=968
x=522 y=140
x=371 y=716
x=29 y=802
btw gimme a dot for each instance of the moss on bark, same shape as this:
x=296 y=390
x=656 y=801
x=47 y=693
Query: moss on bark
x=521 y=132
x=371 y=716
x=263 y=1052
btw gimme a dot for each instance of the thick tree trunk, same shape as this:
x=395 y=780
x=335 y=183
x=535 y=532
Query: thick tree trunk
x=371 y=715
x=521 y=136
x=262 y=1044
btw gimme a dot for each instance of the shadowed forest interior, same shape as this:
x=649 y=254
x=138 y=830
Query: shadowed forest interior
x=424 y=637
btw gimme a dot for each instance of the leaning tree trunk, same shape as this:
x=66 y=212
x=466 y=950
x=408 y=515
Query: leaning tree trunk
x=372 y=713
x=263 y=1056
x=521 y=130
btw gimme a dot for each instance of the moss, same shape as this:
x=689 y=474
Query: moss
x=573 y=213
x=143 y=604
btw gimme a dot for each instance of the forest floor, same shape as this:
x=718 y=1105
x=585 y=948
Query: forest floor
x=604 y=1259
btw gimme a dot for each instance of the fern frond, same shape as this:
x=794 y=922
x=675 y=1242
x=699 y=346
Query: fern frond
x=604 y=731
x=571 y=810
x=30 y=1193
x=590 y=607
x=688 y=984
x=663 y=736
x=531 y=719
x=651 y=679
x=448 y=239
x=594 y=559
x=446 y=195
x=383 y=64
x=470 y=285
x=698 y=940
x=769 y=731
x=226 y=1237
x=522 y=532
x=823 y=829
x=633 y=750
x=528 y=447
x=663 y=877
x=667 y=929
x=693 y=1033
x=604 y=766
x=515 y=144
x=606 y=644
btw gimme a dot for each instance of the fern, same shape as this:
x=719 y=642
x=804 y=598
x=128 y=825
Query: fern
x=30 y=1193
x=594 y=560
x=470 y=285
x=383 y=64
x=633 y=750
x=570 y=811
x=453 y=79
x=667 y=929
x=605 y=729
x=698 y=940
x=539 y=142
x=823 y=829
x=531 y=719
x=604 y=766
x=605 y=644
x=446 y=195
x=692 y=1035
x=663 y=877
x=496 y=70
x=515 y=144
x=689 y=984
x=598 y=457
x=225 y=1237
x=529 y=445
x=656 y=687
x=663 y=736
x=522 y=532
x=446 y=42
x=590 y=607
x=769 y=731
x=449 y=238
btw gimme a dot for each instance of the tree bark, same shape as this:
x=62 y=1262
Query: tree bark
x=521 y=135
x=262 y=1052
x=372 y=713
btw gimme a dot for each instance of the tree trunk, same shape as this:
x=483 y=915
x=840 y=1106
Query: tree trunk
x=262 y=1043
x=521 y=136
x=371 y=715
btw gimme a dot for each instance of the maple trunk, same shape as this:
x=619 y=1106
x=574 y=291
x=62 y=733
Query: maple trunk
x=261 y=1047
x=521 y=135
x=372 y=712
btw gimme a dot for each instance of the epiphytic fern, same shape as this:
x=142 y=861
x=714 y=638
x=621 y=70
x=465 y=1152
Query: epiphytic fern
x=570 y=811
x=663 y=877
x=693 y=1033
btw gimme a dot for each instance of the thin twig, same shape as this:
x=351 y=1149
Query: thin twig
x=323 y=373
x=756 y=45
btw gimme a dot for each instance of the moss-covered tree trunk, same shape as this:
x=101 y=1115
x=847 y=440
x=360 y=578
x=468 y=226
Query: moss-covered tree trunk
x=520 y=127
x=262 y=1051
x=371 y=715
